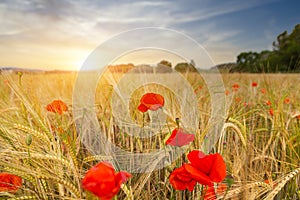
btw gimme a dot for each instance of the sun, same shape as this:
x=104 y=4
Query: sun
x=77 y=60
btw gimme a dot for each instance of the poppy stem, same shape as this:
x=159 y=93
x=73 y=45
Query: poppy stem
x=202 y=191
x=160 y=130
x=226 y=192
x=143 y=123
x=29 y=160
x=178 y=126
x=229 y=181
x=28 y=150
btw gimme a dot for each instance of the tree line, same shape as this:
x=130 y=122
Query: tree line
x=285 y=56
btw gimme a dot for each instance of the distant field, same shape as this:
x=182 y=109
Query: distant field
x=259 y=140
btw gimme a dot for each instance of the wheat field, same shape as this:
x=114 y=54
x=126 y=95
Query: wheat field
x=259 y=139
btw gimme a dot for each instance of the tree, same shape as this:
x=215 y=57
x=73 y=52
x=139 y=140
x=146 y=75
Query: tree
x=248 y=61
x=166 y=63
x=285 y=56
x=185 y=67
x=282 y=41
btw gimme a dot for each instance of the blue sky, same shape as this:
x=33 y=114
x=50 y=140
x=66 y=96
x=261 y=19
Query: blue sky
x=61 y=34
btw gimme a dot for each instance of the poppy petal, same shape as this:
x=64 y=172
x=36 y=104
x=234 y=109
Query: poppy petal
x=184 y=177
x=212 y=165
x=197 y=175
x=222 y=188
x=180 y=138
x=218 y=171
x=180 y=179
x=152 y=101
x=9 y=182
x=191 y=185
x=57 y=106
x=254 y=84
x=201 y=161
x=143 y=108
x=102 y=180
x=209 y=193
x=122 y=177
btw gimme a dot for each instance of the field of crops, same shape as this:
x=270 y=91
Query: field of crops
x=51 y=149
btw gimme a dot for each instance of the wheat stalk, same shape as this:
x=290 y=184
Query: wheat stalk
x=23 y=198
x=97 y=158
x=67 y=184
x=236 y=129
x=29 y=130
x=281 y=184
x=240 y=189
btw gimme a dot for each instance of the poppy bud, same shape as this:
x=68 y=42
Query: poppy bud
x=177 y=120
x=28 y=139
x=20 y=74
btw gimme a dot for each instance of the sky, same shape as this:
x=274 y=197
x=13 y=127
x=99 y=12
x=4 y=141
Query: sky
x=61 y=34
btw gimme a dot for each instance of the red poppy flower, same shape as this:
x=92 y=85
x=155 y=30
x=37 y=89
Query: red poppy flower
x=238 y=99
x=211 y=192
x=57 y=106
x=227 y=92
x=9 y=182
x=180 y=179
x=102 y=181
x=204 y=169
x=287 y=101
x=151 y=101
x=180 y=138
x=266 y=181
x=198 y=89
x=296 y=115
x=268 y=103
x=235 y=87
x=271 y=111
x=263 y=90
x=254 y=84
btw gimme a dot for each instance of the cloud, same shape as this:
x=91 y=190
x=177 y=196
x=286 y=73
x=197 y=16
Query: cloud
x=63 y=25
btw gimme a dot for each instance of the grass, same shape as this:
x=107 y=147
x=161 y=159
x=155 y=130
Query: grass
x=261 y=150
